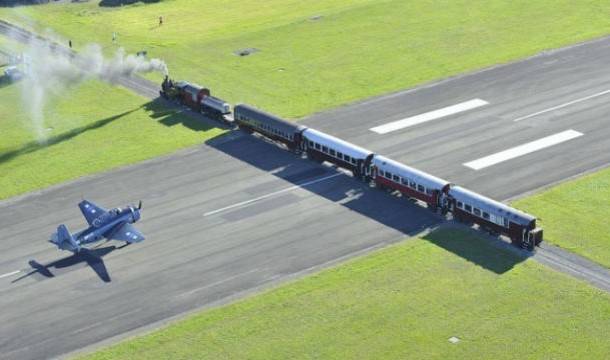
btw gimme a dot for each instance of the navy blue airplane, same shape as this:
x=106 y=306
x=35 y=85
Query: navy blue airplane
x=112 y=225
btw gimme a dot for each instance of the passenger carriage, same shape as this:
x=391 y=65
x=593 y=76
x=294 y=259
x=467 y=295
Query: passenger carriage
x=388 y=173
x=488 y=213
x=323 y=147
x=251 y=119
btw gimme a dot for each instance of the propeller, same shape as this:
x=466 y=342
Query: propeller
x=140 y=205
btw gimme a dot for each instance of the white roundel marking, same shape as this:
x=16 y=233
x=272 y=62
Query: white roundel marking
x=128 y=233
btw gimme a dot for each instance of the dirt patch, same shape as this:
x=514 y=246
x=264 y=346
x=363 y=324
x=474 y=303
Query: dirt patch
x=246 y=51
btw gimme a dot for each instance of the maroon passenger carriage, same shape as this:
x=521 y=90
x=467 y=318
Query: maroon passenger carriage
x=493 y=215
x=387 y=173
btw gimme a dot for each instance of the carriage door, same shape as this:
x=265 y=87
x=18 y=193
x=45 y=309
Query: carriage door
x=526 y=240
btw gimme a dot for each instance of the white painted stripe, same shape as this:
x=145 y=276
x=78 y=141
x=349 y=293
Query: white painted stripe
x=10 y=274
x=563 y=105
x=523 y=149
x=432 y=115
x=247 y=202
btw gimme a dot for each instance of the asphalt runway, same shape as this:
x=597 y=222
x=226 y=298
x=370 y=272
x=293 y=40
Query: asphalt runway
x=203 y=243
x=236 y=214
x=574 y=80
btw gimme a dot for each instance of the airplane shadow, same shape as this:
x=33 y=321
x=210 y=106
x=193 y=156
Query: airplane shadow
x=92 y=257
x=398 y=213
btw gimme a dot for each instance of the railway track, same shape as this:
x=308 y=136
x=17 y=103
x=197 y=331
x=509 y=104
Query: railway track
x=547 y=254
x=137 y=84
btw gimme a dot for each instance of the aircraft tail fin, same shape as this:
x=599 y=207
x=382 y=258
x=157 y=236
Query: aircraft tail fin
x=64 y=240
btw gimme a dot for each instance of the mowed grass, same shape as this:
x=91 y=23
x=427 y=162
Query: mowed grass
x=89 y=129
x=402 y=302
x=576 y=215
x=319 y=54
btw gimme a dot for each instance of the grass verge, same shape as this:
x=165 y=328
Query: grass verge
x=403 y=302
x=90 y=129
x=575 y=215
x=319 y=54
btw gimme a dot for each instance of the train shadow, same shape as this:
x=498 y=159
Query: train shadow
x=401 y=214
x=91 y=257
x=171 y=114
x=491 y=254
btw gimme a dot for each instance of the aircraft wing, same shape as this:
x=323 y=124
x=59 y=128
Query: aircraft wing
x=90 y=211
x=128 y=233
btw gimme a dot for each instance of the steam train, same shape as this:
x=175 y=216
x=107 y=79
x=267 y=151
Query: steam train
x=382 y=172
x=195 y=97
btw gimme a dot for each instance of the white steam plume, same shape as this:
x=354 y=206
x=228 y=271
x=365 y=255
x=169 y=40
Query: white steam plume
x=50 y=70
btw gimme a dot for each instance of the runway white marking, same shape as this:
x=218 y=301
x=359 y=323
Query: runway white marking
x=10 y=274
x=428 y=116
x=523 y=149
x=563 y=105
x=247 y=202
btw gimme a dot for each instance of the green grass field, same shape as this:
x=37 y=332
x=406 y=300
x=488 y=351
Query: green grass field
x=576 y=215
x=393 y=304
x=355 y=49
x=92 y=128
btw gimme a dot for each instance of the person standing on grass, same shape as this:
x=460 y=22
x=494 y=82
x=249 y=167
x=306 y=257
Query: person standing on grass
x=114 y=37
x=70 y=43
x=160 y=20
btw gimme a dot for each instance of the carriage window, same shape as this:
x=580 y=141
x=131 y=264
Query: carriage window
x=310 y=143
x=404 y=181
x=388 y=175
x=396 y=178
x=485 y=215
x=317 y=146
x=467 y=207
x=340 y=155
x=505 y=222
x=324 y=149
x=332 y=152
x=354 y=161
x=460 y=205
x=412 y=184
x=347 y=158
x=477 y=212
x=421 y=188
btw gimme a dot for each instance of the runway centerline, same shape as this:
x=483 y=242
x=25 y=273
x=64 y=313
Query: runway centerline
x=10 y=274
x=523 y=149
x=248 y=202
x=429 y=116
x=563 y=105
